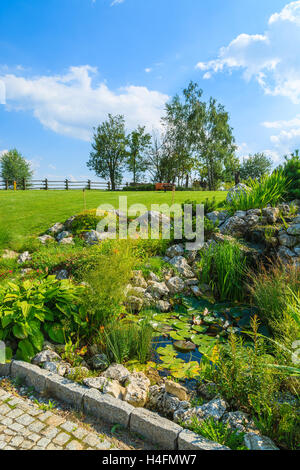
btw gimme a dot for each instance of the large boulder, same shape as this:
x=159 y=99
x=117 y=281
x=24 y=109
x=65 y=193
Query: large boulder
x=163 y=306
x=239 y=188
x=117 y=372
x=153 y=217
x=175 y=285
x=158 y=290
x=254 y=441
x=45 y=238
x=239 y=421
x=23 y=257
x=271 y=214
x=46 y=356
x=176 y=389
x=134 y=303
x=99 y=362
x=182 y=266
x=215 y=216
x=234 y=226
x=56 y=228
x=287 y=240
x=137 y=389
x=294 y=229
x=175 y=250
x=138 y=279
x=64 y=234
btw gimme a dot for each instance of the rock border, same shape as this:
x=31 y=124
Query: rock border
x=158 y=430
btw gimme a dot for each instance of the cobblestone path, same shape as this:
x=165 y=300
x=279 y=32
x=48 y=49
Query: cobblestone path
x=25 y=424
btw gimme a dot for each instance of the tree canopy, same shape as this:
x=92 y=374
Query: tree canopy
x=14 y=167
x=255 y=166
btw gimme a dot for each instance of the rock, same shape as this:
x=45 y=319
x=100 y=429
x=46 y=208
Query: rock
x=135 y=304
x=163 y=305
x=175 y=250
x=271 y=213
x=287 y=240
x=256 y=442
x=50 y=366
x=62 y=235
x=95 y=382
x=175 y=285
x=208 y=390
x=153 y=217
x=213 y=409
x=176 y=389
x=155 y=397
x=62 y=274
x=48 y=345
x=196 y=291
x=239 y=421
x=137 y=291
x=153 y=277
x=285 y=254
x=158 y=290
x=99 y=362
x=137 y=389
x=240 y=214
x=296 y=220
x=239 y=188
x=93 y=237
x=56 y=228
x=170 y=404
x=256 y=212
x=66 y=241
x=188 y=440
x=297 y=250
x=182 y=266
x=81 y=371
x=23 y=257
x=294 y=229
x=68 y=223
x=45 y=238
x=284 y=209
x=219 y=216
x=46 y=356
x=10 y=254
x=63 y=368
x=234 y=226
x=148 y=300
x=113 y=388
x=191 y=282
x=191 y=256
x=117 y=372
x=138 y=279
x=251 y=220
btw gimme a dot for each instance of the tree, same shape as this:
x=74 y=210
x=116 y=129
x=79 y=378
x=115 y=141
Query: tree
x=255 y=166
x=291 y=169
x=138 y=142
x=203 y=134
x=14 y=167
x=109 y=150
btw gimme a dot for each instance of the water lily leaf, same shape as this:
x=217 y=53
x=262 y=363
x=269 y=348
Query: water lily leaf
x=184 y=346
x=200 y=328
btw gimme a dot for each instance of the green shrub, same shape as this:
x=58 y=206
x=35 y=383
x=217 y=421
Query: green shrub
x=126 y=342
x=140 y=187
x=222 y=266
x=291 y=169
x=217 y=431
x=85 y=221
x=106 y=275
x=210 y=205
x=31 y=310
x=268 y=190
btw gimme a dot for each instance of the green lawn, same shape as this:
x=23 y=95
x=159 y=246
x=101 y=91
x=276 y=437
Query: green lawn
x=32 y=212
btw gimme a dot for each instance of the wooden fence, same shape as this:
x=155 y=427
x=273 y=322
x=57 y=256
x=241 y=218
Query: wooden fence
x=66 y=185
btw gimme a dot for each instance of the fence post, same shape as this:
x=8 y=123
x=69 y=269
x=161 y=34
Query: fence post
x=6 y=185
x=46 y=184
x=89 y=184
x=108 y=185
x=24 y=184
x=66 y=184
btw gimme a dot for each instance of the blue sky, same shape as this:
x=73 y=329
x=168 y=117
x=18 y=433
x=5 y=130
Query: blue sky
x=65 y=64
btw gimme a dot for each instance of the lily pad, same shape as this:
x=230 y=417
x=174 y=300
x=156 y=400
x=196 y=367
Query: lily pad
x=184 y=346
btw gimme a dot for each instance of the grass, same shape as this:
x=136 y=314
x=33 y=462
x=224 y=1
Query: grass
x=25 y=213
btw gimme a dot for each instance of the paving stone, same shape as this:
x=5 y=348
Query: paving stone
x=55 y=420
x=34 y=437
x=26 y=445
x=69 y=426
x=16 y=427
x=4 y=409
x=14 y=413
x=62 y=438
x=80 y=433
x=91 y=440
x=16 y=441
x=74 y=445
x=50 y=432
x=45 y=415
x=25 y=420
x=37 y=426
x=43 y=442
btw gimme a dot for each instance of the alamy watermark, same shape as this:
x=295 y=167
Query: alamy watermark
x=162 y=221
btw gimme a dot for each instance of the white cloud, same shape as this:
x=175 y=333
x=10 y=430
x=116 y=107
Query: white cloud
x=52 y=167
x=288 y=132
x=70 y=105
x=271 y=58
x=148 y=70
x=116 y=2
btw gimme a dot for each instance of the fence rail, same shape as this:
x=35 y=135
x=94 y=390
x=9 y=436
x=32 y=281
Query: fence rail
x=66 y=185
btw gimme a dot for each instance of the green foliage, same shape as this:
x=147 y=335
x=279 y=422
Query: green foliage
x=139 y=143
x=85 y=221
x=222 y=266
x=210 y=205
x=269 y=190
x=217 y=431
x=128 y=341
x=109 y=152
x=255 y=166
x=140 y=187
x=106 y=276
x=31 y=310
x=14 y=167
x=291 y=169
